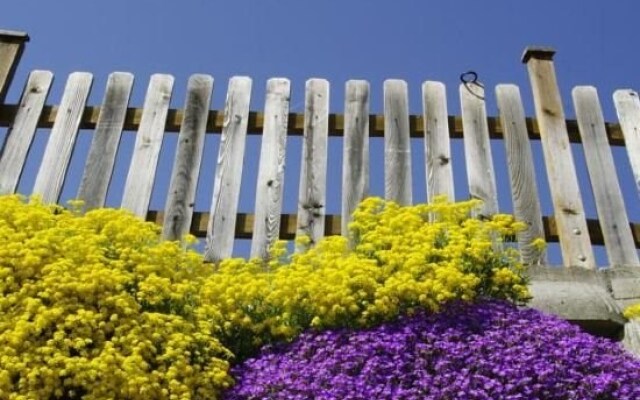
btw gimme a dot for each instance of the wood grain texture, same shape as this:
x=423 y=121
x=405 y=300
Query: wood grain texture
x=437 y=147
x=567 y=201
x=524 y=189
x=106 y=139
x=142 y=170
x=21 y=134
x=53 y=168
x=221 y=226
x=355 y=163
x=186 y=166
x=477 y=148
x=627 y=105
x=313 y=172
x=397 y=143
x=604 y=179
x=271 y=170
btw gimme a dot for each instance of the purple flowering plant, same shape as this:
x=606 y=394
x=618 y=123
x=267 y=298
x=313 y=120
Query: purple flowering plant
x=486 y=350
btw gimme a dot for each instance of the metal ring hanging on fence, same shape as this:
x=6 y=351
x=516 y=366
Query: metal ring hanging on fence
x=468 y=78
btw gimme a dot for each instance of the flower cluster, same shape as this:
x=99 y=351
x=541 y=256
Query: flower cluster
x=487 y=350
x=632 y=311
x=95 y=306
x=400 y=260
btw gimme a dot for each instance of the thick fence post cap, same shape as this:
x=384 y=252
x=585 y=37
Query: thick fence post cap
x=537 y=52
x=13 y=36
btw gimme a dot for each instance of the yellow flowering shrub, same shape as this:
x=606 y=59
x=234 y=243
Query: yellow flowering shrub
x=399 y=261
x=95 y=306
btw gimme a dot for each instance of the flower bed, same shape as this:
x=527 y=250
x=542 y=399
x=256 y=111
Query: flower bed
x=489 y=350
x=96 y=306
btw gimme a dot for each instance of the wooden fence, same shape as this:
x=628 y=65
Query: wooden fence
x=222 y=224
x=580 y=294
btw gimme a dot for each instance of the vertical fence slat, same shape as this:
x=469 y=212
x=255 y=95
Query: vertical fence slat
x=628 y=110
x=397 y=143
x=186 y=166
x=604 y=179
x=226 y=188
x=524 y=189
x=269 y=190
x=567 y=202
x=477 y=148
x=313 y=172
x=355 y=167
x=11 y=48
x=105 y=142
x=57 y=155
x=142 y=170
x=21 y=133
x=437 y=147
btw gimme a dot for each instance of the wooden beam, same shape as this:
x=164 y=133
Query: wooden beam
x=296 y=123
x=332 y=223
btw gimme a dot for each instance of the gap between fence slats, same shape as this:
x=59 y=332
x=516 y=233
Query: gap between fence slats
x=355 y=160
x=524 y=189
x=313 y=172
x=567 y=201
x=142 y=170
x=21 y=134
x=604 y=179
x=186 y=166
x=55 y=162
x=477 y=148
x=437 y=146
x=106 y=139
x=628 y=109
x=226 y=187
x=271 y=168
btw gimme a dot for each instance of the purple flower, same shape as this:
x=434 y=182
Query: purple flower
x=490 y=350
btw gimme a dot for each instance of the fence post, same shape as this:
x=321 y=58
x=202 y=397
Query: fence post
x=565 y=192
x=11 y=48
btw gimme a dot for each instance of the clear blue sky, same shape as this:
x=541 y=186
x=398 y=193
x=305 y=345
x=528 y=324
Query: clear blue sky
x=413 y=40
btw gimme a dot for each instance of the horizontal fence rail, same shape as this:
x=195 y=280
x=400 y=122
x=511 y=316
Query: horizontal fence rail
x=223 y=223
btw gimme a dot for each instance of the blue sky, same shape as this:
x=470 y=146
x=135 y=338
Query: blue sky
x=337 y=40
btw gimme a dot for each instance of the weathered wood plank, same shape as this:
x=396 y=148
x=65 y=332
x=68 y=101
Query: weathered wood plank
x=57 y=155
x=313 y=172
x=20 y=135
x=186 y=166
x=11 y=48
x=142 y=170
x=604 y=180
x=271 y=170
x=437 y=147
x=477 y=148
x=524 y=189
x=567 y=201
x=355 y=163
x=397 y=143
x=105 y=142
x=221 y=226
x=628 y=110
